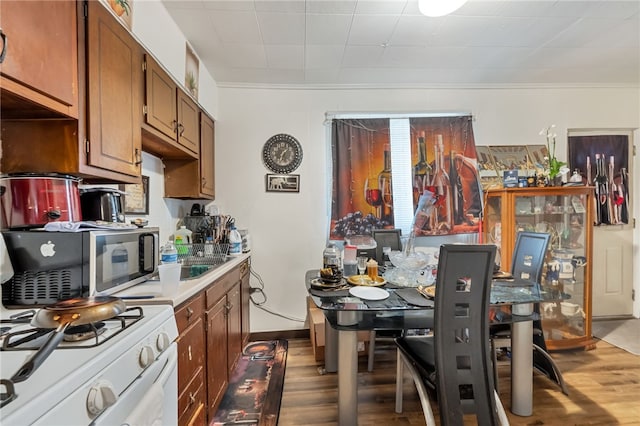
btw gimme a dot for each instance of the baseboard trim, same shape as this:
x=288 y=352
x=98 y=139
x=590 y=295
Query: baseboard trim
x=282 y=334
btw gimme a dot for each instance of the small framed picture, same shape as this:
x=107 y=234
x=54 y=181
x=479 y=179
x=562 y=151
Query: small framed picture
x=283 y=183
x=136 y=197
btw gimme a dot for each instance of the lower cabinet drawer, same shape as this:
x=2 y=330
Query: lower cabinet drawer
x=191 y=401
x=191 y=353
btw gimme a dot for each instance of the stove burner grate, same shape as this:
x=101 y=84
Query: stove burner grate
x=19 y=340
x=78 y=333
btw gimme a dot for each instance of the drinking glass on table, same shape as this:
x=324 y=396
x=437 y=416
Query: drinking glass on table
x=362 y=264
x=386 y=251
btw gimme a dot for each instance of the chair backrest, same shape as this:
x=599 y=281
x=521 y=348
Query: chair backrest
x=462 y=352
x=386 y=238
x=528 y=255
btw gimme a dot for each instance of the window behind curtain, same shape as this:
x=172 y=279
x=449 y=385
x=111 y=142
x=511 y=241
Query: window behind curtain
x=364 y=149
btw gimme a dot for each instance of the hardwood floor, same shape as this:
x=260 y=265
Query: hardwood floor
x=604 y=389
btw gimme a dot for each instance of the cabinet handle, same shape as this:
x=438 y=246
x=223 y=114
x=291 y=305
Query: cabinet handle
x=204 y=182
x=138 y=157
x=4 y=46
x=192 y=398
x=174 y=125
x=189 y=353
x=180 y=129
x=228 y=307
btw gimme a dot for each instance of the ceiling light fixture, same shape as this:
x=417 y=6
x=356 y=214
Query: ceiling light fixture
x=435 y=8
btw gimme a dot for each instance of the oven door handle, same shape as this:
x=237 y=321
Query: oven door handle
x=168 y=367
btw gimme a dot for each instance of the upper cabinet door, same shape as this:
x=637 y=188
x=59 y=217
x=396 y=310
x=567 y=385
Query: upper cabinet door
x=114 y=70
x=188 y=123
x=41 y=55
x=160 y=91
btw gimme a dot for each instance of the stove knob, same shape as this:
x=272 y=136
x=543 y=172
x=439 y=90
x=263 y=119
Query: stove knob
x=101 y=396
x=146 y=356
x=163 y=341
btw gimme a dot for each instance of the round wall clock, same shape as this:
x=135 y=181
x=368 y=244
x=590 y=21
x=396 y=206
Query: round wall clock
x=282 y=153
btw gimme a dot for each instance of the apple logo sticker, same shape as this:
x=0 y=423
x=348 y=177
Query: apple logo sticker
x=47 y=249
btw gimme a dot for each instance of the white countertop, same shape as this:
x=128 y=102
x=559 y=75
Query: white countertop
x=186 y=288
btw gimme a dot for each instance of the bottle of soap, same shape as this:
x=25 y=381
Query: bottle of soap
x=182 y=237
x=235 y=242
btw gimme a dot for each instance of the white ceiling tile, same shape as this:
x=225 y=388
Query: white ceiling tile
x=285 y=56
x=362 y=56
x=380 y=7
x=322 y=57
x=184 y=4
x=236 y=27
x=327 y=29
x=281 y=6
x=332 y=7
x=282 y=28
x=583 y=31
x=388 y=41
x=371 y=29
x=244 y=56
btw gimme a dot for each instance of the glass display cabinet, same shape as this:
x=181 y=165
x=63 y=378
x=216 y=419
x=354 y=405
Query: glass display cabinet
x=566 y=213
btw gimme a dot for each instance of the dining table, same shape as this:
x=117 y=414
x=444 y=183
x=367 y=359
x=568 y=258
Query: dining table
x=351 y=308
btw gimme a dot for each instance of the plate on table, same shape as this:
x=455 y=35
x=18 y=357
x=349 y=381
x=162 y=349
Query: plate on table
x=369 y=293
x=321 y=284
x=365 y=280
x=427 y=291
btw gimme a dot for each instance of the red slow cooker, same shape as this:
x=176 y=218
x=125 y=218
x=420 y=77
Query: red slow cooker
x=31 y=200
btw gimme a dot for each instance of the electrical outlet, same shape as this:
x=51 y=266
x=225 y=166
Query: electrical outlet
x=360 y=346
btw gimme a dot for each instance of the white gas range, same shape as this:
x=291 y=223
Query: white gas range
x=125 y=372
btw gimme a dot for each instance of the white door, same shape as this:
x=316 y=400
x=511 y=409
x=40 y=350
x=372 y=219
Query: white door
x=612 y=265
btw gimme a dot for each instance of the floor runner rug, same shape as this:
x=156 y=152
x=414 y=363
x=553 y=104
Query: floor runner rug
x=255 y=387
x=624 y=334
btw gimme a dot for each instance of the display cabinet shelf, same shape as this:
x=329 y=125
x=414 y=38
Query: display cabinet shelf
x=566 y=213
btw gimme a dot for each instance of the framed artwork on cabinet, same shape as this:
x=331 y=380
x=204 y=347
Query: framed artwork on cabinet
x=511 y=157
x=136 y=197
x=538 y=155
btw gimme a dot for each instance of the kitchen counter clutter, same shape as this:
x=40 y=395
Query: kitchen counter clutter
x=212 y=313
x=150 y=292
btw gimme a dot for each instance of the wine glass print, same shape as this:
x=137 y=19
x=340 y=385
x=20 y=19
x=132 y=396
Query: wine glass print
x=373 y=195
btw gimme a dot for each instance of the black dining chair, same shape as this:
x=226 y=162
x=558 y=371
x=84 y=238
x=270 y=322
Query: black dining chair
x=383 y=238
x=454 y=363
x=526 y=265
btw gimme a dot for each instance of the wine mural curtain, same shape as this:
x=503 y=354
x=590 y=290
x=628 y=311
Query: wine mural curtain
x=462 y=198
x=357 y=149
x=362 y=176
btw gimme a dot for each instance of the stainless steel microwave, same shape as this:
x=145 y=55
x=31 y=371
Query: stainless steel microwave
x=54 y=266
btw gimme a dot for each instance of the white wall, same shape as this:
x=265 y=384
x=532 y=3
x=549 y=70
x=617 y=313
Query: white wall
x=289 y=230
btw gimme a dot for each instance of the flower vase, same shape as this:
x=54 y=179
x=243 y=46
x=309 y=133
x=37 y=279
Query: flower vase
x=555 y=181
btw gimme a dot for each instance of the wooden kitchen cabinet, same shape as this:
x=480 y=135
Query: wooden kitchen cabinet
x=104 y=144
x=210 y=345
x=217 y=373
x=566 y=214
x=171 y=118
x=223 y=335
x=39 y=73
x=191 y=358
x=193 y=179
